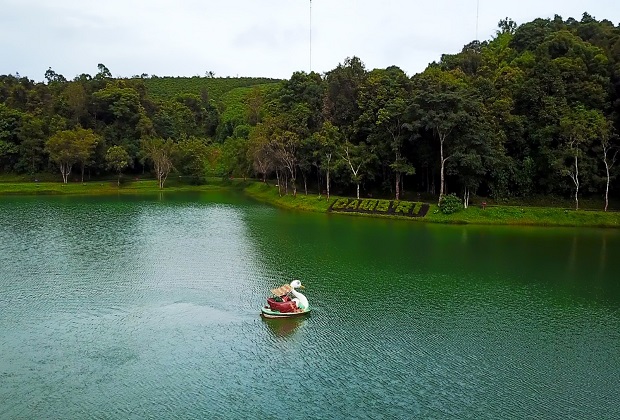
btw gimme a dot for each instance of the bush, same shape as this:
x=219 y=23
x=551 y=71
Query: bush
x=450 y=204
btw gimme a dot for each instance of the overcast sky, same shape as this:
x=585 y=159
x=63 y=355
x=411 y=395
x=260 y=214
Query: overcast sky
x=268 y=38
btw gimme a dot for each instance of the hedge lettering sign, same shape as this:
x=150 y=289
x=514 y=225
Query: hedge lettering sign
x=372 y=206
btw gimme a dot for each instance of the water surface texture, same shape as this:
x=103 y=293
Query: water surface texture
x=147 y=307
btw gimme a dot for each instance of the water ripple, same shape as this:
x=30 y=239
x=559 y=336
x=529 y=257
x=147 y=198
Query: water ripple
x=148 y=308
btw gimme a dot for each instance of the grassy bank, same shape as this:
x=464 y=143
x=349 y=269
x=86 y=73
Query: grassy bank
x=492 y=215
x=108 y=187
x=528 y=216
x=268 y=193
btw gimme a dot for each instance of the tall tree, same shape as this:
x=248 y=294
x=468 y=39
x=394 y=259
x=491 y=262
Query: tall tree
x=31 y=134
x=439 y=104
x=285 y=147
x=159 y=152
x=356 y=158
x=260 y=152
x=119 y=109
x=191 y=157
x=342 y=86
x=10 y=121
x=328 y=139
x=234 y=156
x=87 y=140
x=117 y=159
x=254 y=102
x=383 y=103
x=76 y=99
x=610 y=150
x=69 y=147
x=578 y=128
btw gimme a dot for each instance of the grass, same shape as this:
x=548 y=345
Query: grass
x=492 y=215
x=527 y=216
x=105 y=187
x=269 y=193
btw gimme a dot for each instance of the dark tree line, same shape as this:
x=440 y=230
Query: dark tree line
x=533 y=111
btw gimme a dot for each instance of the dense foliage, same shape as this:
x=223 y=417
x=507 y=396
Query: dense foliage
x=214 y=87
x=450 y=203
x=533 y=111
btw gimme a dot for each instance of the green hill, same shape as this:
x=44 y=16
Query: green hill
x=234 y=100
x=234 y=107
x=217 y=87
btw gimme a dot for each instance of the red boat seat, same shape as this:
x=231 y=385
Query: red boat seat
x=285 y=306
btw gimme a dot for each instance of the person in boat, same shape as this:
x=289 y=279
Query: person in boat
x=283 y=298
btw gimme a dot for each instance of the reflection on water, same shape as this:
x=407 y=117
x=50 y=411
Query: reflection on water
x=148 y=307
x=283 y=327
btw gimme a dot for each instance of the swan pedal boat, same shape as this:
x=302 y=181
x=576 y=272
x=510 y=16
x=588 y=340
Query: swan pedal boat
x=282 y=305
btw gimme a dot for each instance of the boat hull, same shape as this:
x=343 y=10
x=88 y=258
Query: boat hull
x=267 y=312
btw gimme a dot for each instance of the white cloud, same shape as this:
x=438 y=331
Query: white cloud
x=251 y=38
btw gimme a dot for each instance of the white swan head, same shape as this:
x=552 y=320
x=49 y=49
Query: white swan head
x=296 y=284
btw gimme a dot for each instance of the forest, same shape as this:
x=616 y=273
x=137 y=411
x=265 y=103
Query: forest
x=534 y=111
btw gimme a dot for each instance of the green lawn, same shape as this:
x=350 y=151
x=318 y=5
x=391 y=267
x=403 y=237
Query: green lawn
x=98 y=187
x=492 y=215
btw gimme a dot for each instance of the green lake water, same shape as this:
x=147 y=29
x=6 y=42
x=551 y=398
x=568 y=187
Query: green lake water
x=148 y=307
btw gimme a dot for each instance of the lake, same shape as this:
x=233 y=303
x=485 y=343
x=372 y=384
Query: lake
x=148 y=307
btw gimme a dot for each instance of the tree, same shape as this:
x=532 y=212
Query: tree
x=478 y=148
x=31 y=144
x=342 y=85
x=254 y=106
x=117 y=159
x=118 y=108
x=506 y=26
x=260 y=152
x=52 y=77
x=610 y=153
x=285 y=147
x=10 y=121
x=383 y=102
x=328 y=139
x=174 y=120
x=76 y=99
x=234 y=157
x=103 y=73
x=191 y=158
x=299 y=106
x=439 y=105
x=159 y=152
x=305 y=90
x=578 y=128
x=69 y=147
x=355 y=157
x=86 y=141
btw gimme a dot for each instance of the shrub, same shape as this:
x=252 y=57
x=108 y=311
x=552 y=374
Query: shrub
x=383 y=206
x=403 y=207
x=450 y=204
x=341 y=203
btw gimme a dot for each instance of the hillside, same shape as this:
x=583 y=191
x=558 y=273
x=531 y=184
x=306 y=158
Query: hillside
x=234 y=100
x=169 y=87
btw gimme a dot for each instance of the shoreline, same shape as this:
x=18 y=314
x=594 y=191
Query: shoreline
x=495 y=215
x=105 y=187
x=492 y=215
